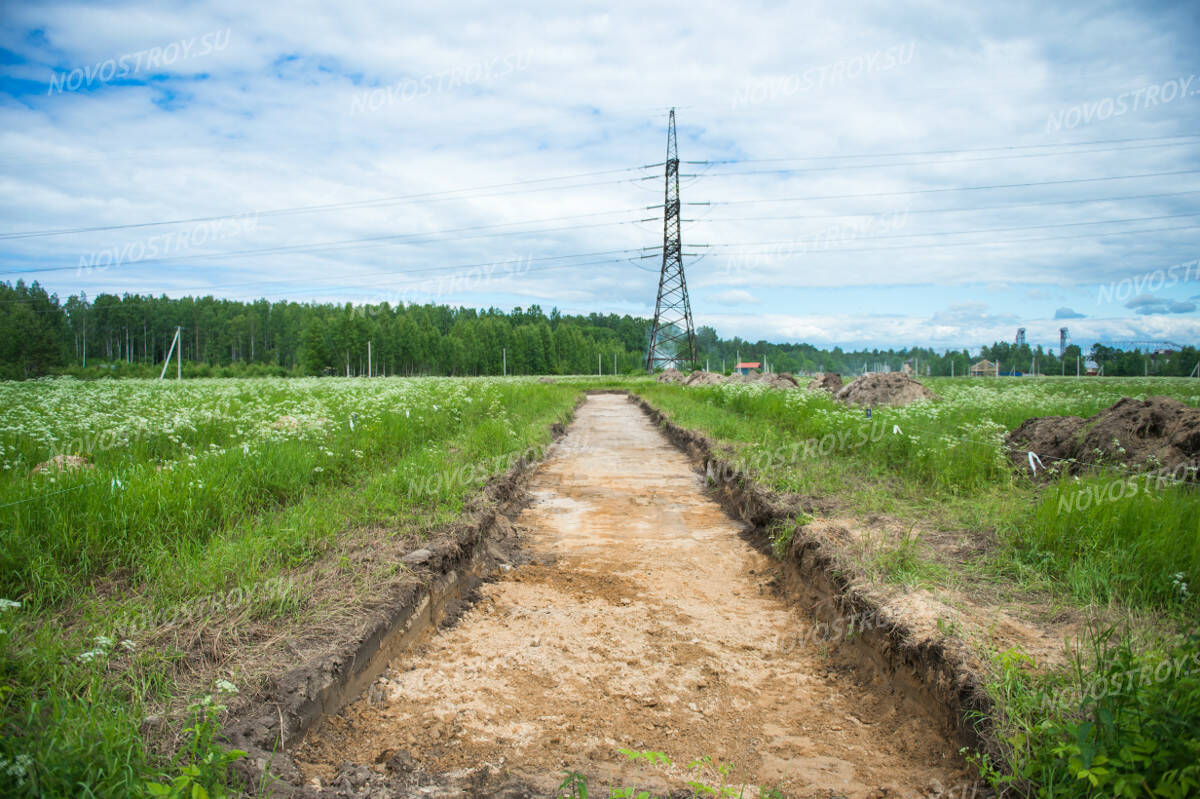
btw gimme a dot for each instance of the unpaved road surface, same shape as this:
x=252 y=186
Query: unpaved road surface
x=645 y=622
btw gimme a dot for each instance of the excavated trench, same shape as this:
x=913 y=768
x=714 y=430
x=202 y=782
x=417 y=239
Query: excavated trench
x=643 y=619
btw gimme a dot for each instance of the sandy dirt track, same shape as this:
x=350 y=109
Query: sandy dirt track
x=643 y=621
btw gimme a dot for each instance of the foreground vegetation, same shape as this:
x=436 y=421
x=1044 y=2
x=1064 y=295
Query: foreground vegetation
x=212 y=504
x=1122 y=554
x=208 y=500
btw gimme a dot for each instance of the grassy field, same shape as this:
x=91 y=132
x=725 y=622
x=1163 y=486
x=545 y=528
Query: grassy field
x=214 y=507
x=1126 y=556
x=223 y=516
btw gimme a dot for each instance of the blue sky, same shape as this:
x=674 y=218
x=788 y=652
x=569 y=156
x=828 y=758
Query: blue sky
x=868 y=174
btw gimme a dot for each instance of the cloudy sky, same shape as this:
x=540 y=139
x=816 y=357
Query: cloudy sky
x=854 y=173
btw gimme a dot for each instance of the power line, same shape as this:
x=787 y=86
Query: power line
x=369 y=241
x=947 y=152
x=991 y=230
x=304 y=209
x=391 y=274
x=975 y=243
x=949 y=189
x=847 y=167
x=952 y=210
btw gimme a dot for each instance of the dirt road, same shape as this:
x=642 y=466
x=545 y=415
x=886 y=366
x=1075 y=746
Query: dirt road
x=643 y=622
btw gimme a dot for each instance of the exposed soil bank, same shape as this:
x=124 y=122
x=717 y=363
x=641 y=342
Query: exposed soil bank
x=644 y=621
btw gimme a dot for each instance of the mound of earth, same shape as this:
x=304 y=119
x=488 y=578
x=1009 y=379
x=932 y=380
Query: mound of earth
x=63 y=463
x=1154 y=432
x=890 y=388
x=546 y=380
x=700 y=378
x=781 y=380
x=670 y=375
x=827 y=381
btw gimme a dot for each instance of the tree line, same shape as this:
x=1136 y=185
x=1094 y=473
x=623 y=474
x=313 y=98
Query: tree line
x=131 y=334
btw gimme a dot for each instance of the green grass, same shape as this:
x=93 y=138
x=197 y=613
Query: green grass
x=205 y=497
x=946 y=468
x=1103 y=538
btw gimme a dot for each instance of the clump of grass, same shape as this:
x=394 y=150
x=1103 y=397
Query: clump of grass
x=1122 y=722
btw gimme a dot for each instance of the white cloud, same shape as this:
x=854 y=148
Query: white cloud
x=269 y=122
x=736 y=297
x=1148 y=304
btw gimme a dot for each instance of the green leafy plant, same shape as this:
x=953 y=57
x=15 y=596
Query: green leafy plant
x=712 y=779
x=573 y=786
x=784 y=531
x=1133 y=731
x=203 y=764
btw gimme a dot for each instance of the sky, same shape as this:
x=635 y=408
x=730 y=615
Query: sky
x=853 y=174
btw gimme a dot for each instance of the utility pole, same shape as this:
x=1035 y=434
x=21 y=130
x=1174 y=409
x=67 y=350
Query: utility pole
x=505 y=351
x=672 y=336
x=170 y=352
x=368 y=359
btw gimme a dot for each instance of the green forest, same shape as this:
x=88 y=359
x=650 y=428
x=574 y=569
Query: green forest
x=130 y=335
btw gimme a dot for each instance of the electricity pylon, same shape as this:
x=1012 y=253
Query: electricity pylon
x=672 y=337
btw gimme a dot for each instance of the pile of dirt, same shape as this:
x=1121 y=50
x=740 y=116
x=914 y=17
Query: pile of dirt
x=890 y=388
x=62 y=463
x=1158 y=432
x=827 y=381
x=670 y=375
x=738 y=377
x=781 y=380
x=547 y=380
x=701 y=378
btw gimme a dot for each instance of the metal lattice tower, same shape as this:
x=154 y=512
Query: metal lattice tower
x=1064 y=338
x=672 y=337
x=1020 y=342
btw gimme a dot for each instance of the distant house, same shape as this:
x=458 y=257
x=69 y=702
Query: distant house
x=747 y=367
x=985 y=368
x=906 y=368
